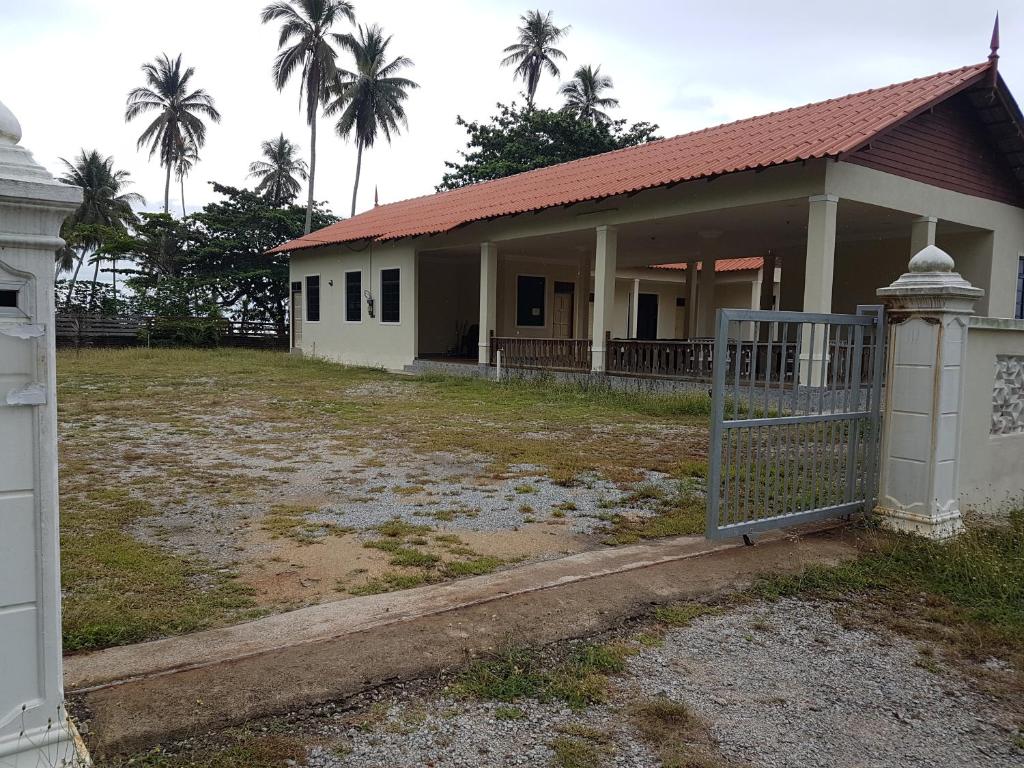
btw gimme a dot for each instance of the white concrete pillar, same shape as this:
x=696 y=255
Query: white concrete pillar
x=919 y=474
x=819 y=269
x=34 y=729
x=922 y=233
x=634 y=309
x=692 y=281
x=488 y=299
x=605 y=258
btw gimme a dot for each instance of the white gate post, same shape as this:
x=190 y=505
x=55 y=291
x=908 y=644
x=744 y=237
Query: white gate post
x=919 y=480
x=33 y=725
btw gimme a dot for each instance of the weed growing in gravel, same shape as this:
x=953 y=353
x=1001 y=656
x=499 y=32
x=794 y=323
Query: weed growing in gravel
x=389 y=582
x=574 y=753
x=680 y=737
x=243 y=750
x=681 y=513
x=511 y=673
x=682 y=615
x=474 y=567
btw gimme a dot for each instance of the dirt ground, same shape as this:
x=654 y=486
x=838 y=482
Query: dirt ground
x=260 y=482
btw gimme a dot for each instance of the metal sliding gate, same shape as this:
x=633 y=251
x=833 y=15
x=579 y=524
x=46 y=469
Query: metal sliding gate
x=795 y=420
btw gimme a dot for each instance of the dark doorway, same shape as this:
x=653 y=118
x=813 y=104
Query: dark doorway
x=647 y=316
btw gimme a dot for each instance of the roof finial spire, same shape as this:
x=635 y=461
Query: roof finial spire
x=376 y=200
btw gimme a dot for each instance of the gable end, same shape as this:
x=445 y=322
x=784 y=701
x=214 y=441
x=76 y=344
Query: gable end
x=948 y=147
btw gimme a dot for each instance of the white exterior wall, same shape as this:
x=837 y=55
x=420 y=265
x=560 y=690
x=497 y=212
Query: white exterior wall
x=992 y=454
x=368 y=342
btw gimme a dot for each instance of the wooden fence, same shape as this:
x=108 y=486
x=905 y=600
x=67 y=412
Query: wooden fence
x=134 y=330
x=554 y=354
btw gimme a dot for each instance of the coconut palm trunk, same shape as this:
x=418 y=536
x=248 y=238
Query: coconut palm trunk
x=312 y=174
x=183 y=214
x=167 y=190
x=95 y=280
x=359 y=168
x=74 y=279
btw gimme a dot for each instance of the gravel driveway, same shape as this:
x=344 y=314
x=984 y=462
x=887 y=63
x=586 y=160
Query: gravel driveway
x=780 y=684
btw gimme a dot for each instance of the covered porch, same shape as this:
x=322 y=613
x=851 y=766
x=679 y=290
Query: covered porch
x=633 y=298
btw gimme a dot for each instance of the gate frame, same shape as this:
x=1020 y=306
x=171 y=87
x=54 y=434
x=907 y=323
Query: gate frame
x=866 y=316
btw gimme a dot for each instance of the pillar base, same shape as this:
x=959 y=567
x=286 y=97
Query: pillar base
x=938 y=527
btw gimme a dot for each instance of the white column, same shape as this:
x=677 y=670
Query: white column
x=606 y=255
x=488 y=299
x=919 y=481
x=34 y=729
x=922 y=233
x=634 y=305
x=691 y=299
x=820 y=266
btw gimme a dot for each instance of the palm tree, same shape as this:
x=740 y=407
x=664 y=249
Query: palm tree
x=535 y=51
x=305 y=42
x=280 y=172
x=105 y=205
x=583 y=95
x=370 y=99
x=180 y=119
x=188 y=156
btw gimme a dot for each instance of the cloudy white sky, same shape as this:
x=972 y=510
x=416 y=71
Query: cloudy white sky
x=66 y=66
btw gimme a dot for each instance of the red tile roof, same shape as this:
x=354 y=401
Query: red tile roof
x=722 y=265
x=824 y=129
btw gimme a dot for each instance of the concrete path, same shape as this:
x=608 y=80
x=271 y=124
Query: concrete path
x=138 y=695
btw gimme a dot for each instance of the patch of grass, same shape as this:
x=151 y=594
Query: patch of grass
x=525 y=488
x=567 y=506
x=681 y=615
x=474 y=567
x=407 y=490
x=972 y=586
x=414 y=558
x=389 y=582
x=574 y=753
x=696 y=468
x=558 y=514
x=512 y=673
x=397 y=528
x=681 y=514
x=289 y=520
x=679 y=736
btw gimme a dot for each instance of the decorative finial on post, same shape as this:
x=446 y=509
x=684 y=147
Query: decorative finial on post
x=10 y=128
x=376 y=200
x=931 y=258
x=993 y=56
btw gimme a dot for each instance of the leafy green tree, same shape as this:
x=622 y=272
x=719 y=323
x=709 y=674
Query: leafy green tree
x=106 y=207
x=370 y=99
x=305 y=45
x=535 y=52
x=583 y=95
x=280 y=172
x=517 y=140
x=179 y=121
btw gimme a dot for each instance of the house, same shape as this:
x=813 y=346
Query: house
x=580 y=265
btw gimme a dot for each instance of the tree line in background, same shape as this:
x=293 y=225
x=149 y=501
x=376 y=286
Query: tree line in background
x=213 y=262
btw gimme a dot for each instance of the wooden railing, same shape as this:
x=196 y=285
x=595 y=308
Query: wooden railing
x=668 y=359
x=135 y=330
x=556 y=354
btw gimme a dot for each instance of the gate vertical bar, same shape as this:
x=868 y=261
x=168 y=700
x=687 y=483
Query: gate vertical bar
x=717 y=417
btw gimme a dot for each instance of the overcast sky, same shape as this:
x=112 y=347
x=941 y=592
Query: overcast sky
x=66 y=66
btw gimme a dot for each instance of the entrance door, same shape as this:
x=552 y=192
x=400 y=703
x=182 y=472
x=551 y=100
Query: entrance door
x=296 y=312
x=563 y=310
x=647 y=316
